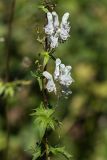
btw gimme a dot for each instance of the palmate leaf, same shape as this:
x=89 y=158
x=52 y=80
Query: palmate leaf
x=43 y=119
x=41 y=128
x=37 y=153
x=60 y=150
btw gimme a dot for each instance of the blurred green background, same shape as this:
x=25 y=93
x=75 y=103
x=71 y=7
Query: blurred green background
x=84 y=113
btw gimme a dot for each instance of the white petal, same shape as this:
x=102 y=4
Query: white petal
x=58 y=61
x=49 y=17
x=68 y=70
x=53 y=41
x=66 y=80
x=65 y=18
x=49 y=28
x=56 y=20
x=62 y=69
x=65 y=28
x=57 y=72
x=64 y=34
x=47 y=75
x=50 y=86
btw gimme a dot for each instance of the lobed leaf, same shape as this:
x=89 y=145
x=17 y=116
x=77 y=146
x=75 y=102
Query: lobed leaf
x=37 y=153
x=43 y=120
x=60 y=150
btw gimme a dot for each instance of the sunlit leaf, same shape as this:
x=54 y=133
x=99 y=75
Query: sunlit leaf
x=44 y=119
x=9 y=91
x=40 y=82
x=60 y=150
x=2 y=88
x=46 y=58
x=37 y=153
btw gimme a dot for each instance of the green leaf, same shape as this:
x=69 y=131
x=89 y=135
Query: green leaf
x=38 y=76
x=60 y=150
x=43 y=120
x=35 y=75
x=46 y=58
x=2 y=88
x=37 y=153
x=9 y=91
x=40 y=82
x=43 y=8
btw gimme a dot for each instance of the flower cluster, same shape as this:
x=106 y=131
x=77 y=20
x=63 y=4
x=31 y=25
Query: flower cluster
x=57 y=32
x=62 y=74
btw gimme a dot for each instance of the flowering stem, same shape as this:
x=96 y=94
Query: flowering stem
x=45 y=100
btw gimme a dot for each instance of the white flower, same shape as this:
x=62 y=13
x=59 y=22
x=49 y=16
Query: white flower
x=56 y=20
x=65 y=76
x=50 y=86
x=62 y=73
x=57 y=72
x=49 y=28
x=65 y=28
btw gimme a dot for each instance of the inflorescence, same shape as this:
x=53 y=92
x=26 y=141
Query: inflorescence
x=56 y=33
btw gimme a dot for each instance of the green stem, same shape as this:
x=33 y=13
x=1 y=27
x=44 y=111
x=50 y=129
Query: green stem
x=44 y=93
x=45 y=100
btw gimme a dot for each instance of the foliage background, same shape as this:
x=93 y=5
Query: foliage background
x=84 y=113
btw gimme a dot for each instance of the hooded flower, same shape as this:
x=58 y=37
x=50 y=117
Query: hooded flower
x=56 y=20
x=65 y=28
x=49 y=29
x=63 y=73
x=50 y=86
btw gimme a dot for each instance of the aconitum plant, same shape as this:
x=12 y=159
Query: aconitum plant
x=57 y=83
